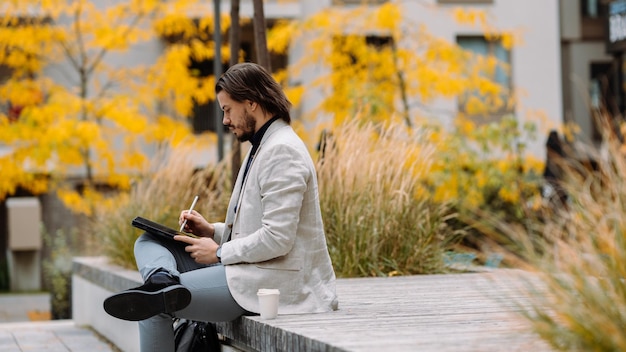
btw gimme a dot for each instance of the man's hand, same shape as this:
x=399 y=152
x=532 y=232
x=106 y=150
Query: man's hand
x=202 y=250
x=196 y=224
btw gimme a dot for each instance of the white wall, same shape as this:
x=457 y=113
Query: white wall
x=571 y=28
x=87 y=310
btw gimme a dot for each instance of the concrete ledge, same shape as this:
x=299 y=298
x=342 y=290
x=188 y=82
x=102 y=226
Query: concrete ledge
x=93 y=280
x=250 y=334
x=98 y=270
x=451 y=312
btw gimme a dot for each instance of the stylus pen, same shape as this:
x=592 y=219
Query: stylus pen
x=193 y=204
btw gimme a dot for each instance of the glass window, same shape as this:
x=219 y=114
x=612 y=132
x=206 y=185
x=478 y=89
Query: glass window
x=602 y=83
x=202 y=116
x=501 y=75
x=590 y=8
x=359 y=80
x=603 y=96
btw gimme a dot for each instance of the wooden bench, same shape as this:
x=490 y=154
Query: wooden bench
x=452 y=312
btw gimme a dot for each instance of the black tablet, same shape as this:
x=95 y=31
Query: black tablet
x=158 y=229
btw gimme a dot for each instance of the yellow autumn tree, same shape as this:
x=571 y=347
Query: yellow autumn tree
x=378 y=62
x=76 y=102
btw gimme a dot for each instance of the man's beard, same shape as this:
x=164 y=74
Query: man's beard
x=248 y=127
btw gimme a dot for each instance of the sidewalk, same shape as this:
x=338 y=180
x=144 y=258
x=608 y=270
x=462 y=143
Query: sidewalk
x=18 y=331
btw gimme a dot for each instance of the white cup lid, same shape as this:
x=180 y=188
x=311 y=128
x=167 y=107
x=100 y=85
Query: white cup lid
x=268 y=291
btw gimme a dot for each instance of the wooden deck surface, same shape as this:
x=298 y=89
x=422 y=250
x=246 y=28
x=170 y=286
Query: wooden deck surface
x=452 y=312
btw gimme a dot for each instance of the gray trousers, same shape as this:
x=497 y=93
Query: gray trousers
x=210 y=297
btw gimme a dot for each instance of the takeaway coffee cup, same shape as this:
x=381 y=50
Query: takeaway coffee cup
x=268 y=302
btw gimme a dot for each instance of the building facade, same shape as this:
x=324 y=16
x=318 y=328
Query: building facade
x=569 y=63
x=562 y=69
x=535 y=74
x=568 y=67
x=590 y=72
x=612 y=89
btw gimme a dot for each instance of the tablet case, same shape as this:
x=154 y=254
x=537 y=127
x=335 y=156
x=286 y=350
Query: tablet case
x=158 y=229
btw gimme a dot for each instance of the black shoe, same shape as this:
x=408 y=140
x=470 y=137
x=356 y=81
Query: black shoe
x=162 y=293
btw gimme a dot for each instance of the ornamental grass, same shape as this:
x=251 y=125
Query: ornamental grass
x=576 y=250
x=378 y=216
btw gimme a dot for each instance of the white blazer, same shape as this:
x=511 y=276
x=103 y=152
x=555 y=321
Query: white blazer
x=276 y=238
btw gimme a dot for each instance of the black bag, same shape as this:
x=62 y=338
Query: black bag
x=195 y=336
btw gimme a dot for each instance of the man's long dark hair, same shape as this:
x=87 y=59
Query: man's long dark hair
x=249 y=81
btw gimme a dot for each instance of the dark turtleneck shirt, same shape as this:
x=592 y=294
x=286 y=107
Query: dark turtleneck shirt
x=256 y=142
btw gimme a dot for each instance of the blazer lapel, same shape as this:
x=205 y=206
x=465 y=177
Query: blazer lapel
x=240 y=184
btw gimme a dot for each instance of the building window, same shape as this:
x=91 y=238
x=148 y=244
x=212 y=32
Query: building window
x=5 y=106
x=501 y=75
x=590 y=8
x=203 y=116
x=594 y=19
x=599 y=85
x=358 y=83
x=603 y=96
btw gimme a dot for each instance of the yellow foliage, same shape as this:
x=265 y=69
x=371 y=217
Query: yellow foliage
x=144 y=6
x=533 y=165
x=378 y=66
x=13 y=176
x=507 y=40
x=200 y=51
x=179 y=84
x=61 y=129
x=166 y=129
x=104 y=125
x=464 y=125
x=447 y=192
x=109 y=39
x=176 y=24
x=280 y=35
x=22 y=93
x=294 y=94
x=74 y=201
x=125 y=115
x=470 y=16
x=473 y=198
x=84 y=202
x=388 y=16
x=474 y=105
x=510 y=195
x=133 y=159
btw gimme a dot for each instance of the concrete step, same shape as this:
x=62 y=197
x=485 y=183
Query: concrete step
x=52 y=335
x=16 y=307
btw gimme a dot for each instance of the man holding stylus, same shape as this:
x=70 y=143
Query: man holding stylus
x=273 y=235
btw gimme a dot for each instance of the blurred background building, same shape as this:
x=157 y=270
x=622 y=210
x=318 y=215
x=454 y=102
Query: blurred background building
x=569 y=65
